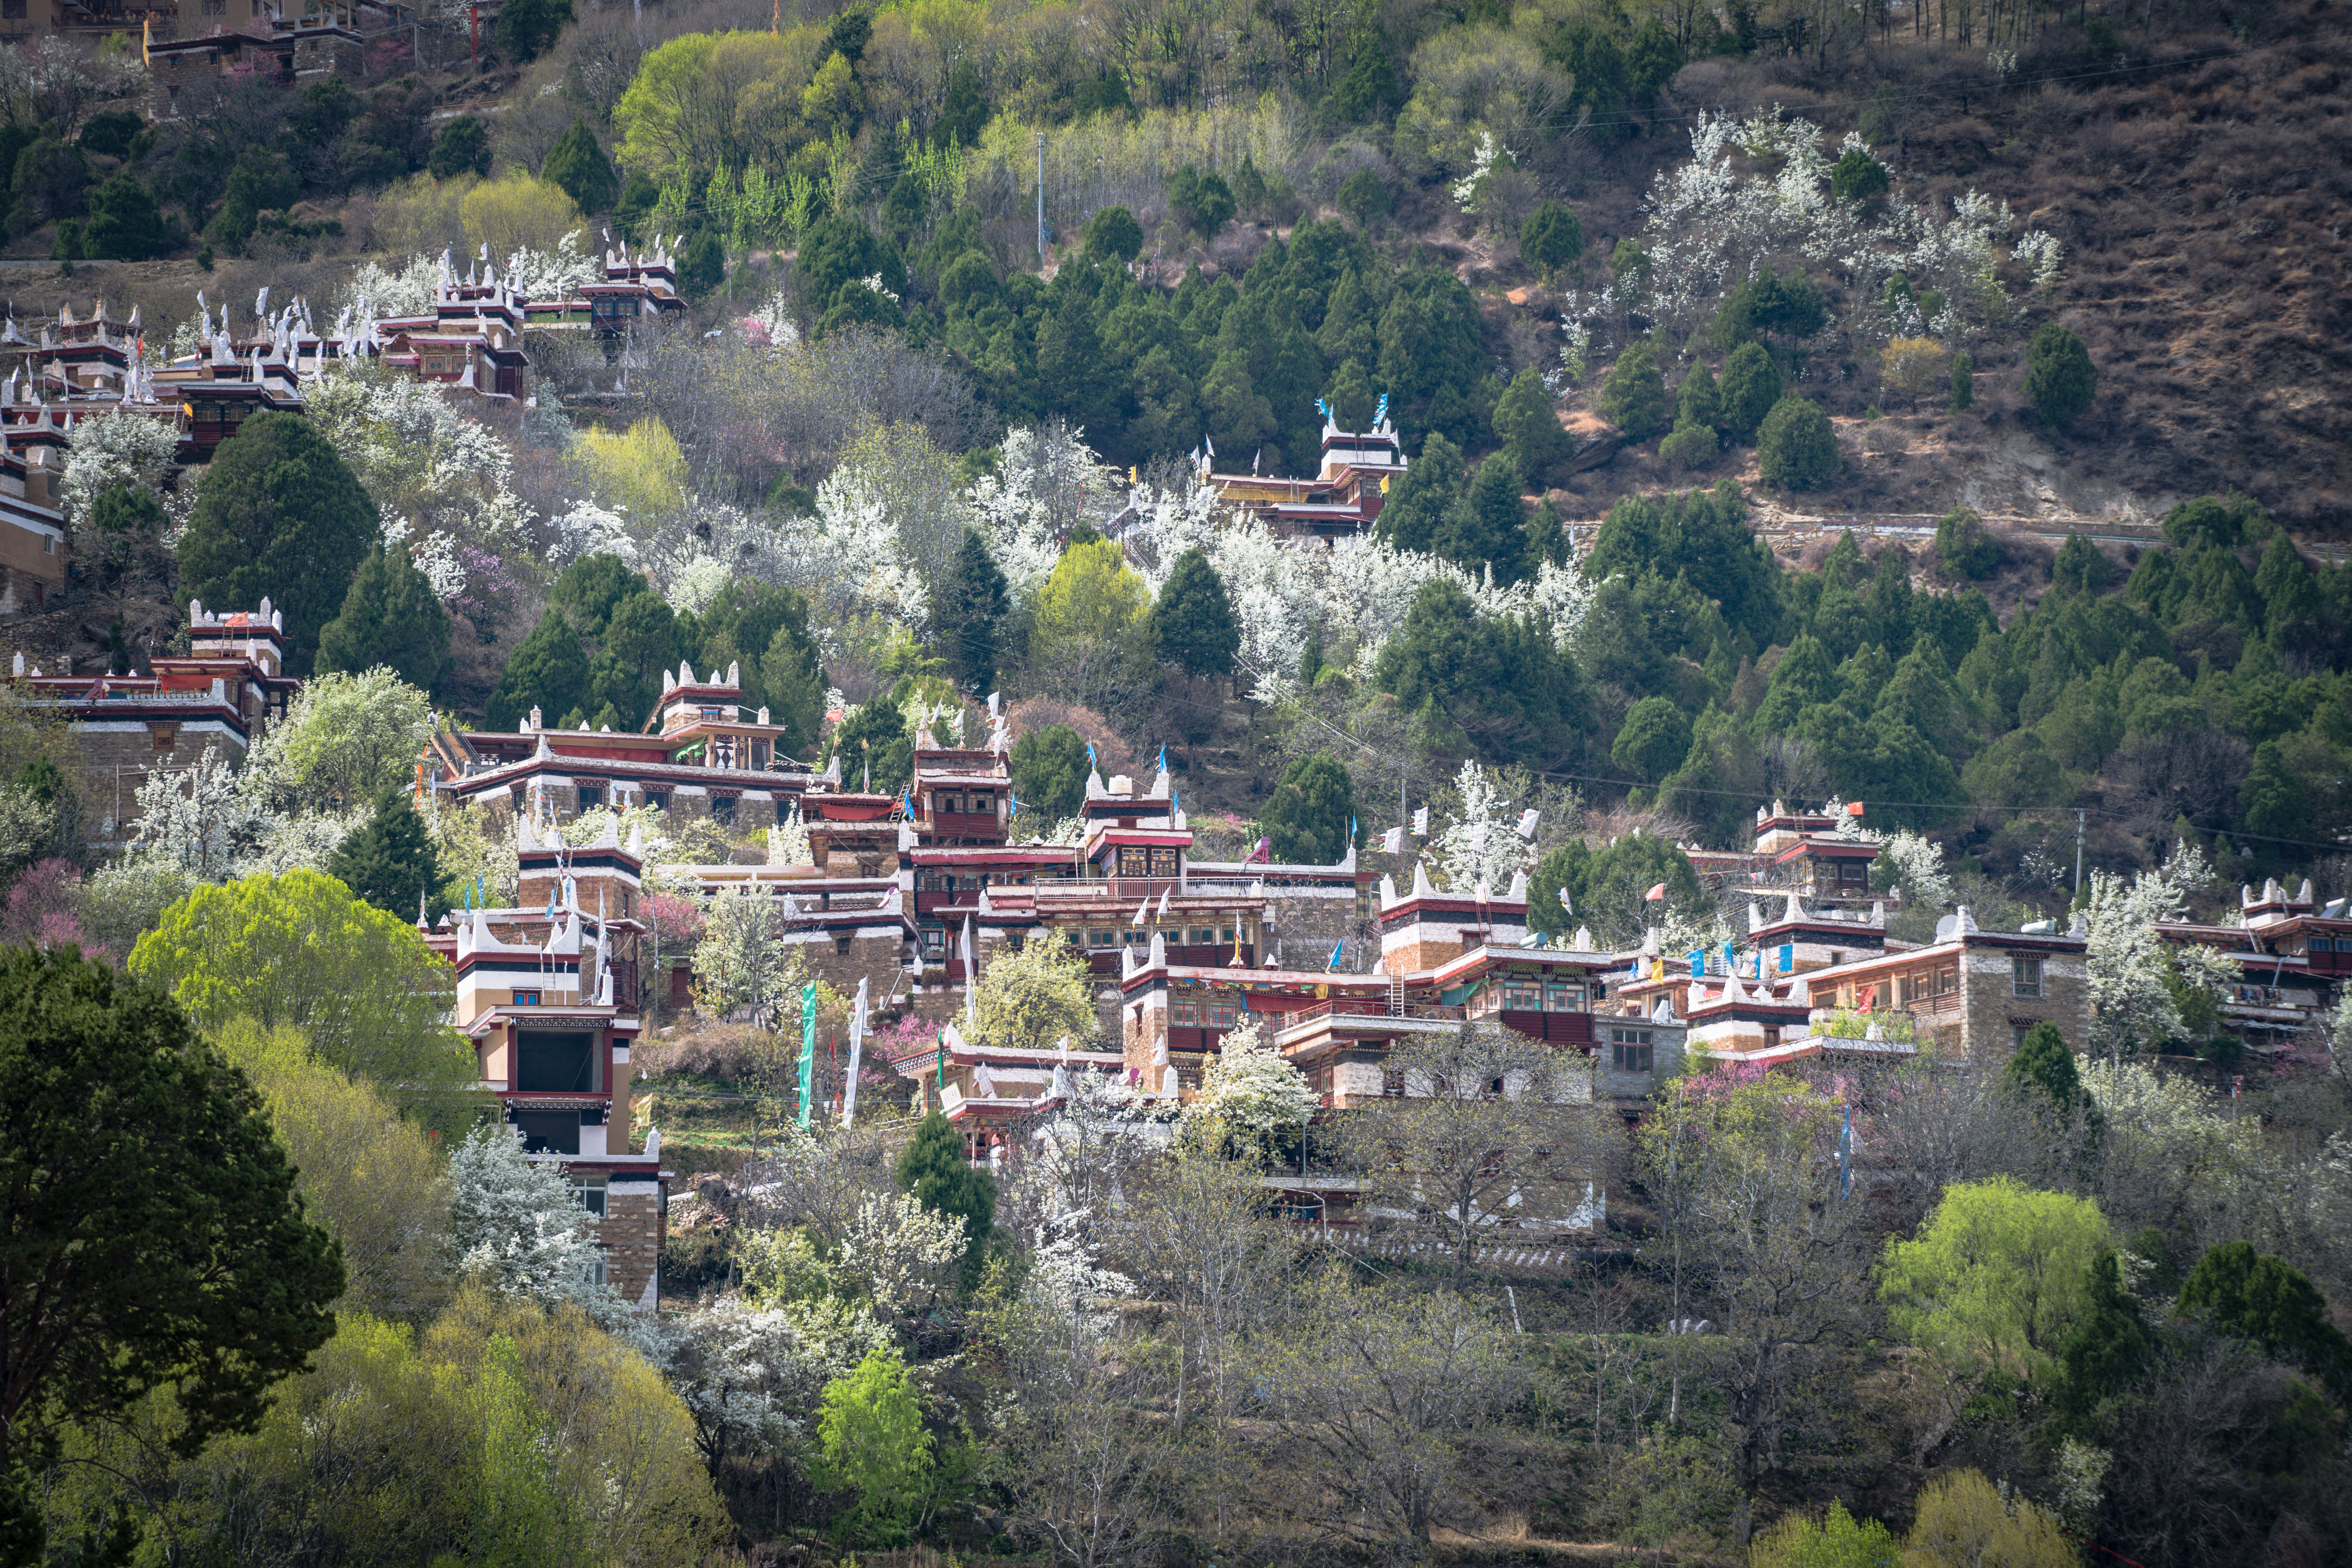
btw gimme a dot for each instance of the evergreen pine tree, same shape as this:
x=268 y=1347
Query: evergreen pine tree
x=1551 y=237
x=1531 y=431
x=965 y=611
x=125 y=507
x=1417 y=501
x=2044 y=1066
x=2109 y=1344
x=1698 y=401
x=1546 y=540
x=279 y=515
x=578 y=166
x=549 y=671
x=1797 y=449
x=703 y=268
x=1049 y=771
x=391 y=862
x=124 y=223
x=1308 y=812
x=1487 y=526
x=1749 y=387
x=391 y=617
x=1964 y=381
x=936 y=1173
x=2060 y=378
x=1634 y=396
x=1192 y=625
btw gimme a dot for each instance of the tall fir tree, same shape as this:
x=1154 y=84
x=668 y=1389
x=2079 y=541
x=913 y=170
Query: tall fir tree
x=1308 y=816
x=1531 y=431
x=391 y=862
x=1192 y=625
x=578 y=166
x=965 y=610
x=280 y=516
x=391 y=617
x=1487 y=527
x=549 y=670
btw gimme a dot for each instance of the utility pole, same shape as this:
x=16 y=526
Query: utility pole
x=1041 y=201
x=2078 y=854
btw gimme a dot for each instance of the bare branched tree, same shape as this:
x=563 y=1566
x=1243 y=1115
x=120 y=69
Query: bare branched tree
x=1497 y=1136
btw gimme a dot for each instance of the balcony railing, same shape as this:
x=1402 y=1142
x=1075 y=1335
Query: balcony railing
x=1371 y=1007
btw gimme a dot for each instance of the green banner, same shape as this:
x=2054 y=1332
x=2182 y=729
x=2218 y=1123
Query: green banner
x=808 y=1051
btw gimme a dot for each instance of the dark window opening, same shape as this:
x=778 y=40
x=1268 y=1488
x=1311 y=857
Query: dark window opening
x=591 y=796
x=556 y=1063
x=723 y=810
x=548 y=1131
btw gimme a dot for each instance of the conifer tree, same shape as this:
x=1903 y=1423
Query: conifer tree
x=1307 y=814
x=1487 y=527
x=280 y=516
x=935 y=1171
x=965 y=611
x=1797 y=449
x=391 y=862
x=578 y=166
x=548 y=672
x=1531 y=431
x=2060 y=378
x=1634 y=398
x=391 y=617
x=1749 y=387
x=2044 y=1066
x=1192 y=625
x=1049 y=771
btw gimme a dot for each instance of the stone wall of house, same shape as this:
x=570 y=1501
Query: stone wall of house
x=842 y=958
x=1304 y=922
x=1993 y=1017
x=632 y=1235
x=117 y=755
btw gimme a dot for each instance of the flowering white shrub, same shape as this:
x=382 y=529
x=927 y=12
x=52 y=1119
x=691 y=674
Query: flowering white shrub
x=1251 y=1091
x=520 y=1228
x=124 y=448
x=1713 y=223
x=1482 y=843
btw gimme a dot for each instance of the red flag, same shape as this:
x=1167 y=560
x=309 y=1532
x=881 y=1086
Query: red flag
x=1657 y=892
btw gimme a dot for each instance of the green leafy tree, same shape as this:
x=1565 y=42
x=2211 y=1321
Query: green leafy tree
x=1551 y=237
x=1789 y=306
x=1797 y=449
x=278 y=515
x=871 y=1442
x=1036 y=996
x=462 y=146
x=2259 y=1298
x=577 y=165
x=1837 y=1540
x=1608 y=888
x=1530 y=429
x=1364 y=196
x=1500 y=686
x=124 y=222
x=1634 y=396
x=125 y=509
x=1699 y=400
x=1192 y=625
x=300 y=949
x=152 y=1228
x=1964 y=381
x=965 y=612
x=1310 y=812
x=2060 y=379
x=526 y=28
x=1653 y=740
x=391 y=617
x=1090 y=640
x=1114 y=236
x=1749 y=388
x=1417 y=503
x=391 y=863
x=1049 y=771
x=873 y=744
x=259 y=181
x=1998 y=1272
x=934 y=1171
x=549 y=670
